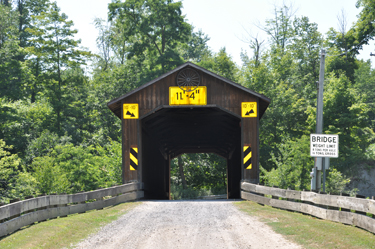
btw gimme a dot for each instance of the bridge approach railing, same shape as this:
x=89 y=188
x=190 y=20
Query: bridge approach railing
x=22 y=213
x=338 y=208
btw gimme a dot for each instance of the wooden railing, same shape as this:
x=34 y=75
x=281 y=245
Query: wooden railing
x=343 y=209
x=22 y=213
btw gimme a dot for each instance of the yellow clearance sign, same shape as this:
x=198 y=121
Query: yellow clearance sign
x=131 y=111
x=178 y=96
x=249 y=109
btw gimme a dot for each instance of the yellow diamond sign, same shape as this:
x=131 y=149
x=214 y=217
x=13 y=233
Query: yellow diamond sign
x=249 y=110
x=131 y=111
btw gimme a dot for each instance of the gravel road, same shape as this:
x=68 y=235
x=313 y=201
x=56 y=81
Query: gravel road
x=186 y=224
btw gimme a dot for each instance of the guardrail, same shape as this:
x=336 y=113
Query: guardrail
x=22 y=213
x=343 y=209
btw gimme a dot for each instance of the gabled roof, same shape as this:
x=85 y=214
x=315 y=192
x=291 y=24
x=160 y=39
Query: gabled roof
x=263 y=100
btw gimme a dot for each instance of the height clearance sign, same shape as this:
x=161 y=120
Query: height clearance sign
x=322 y=145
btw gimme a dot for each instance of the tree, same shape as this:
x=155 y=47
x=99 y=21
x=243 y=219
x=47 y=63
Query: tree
x=364 y=84
x=13 y=72
x=181 y=171
x=27 y=9
x=280 y=28
x=153 y=29
x=107 y=85
x=346 y=115
x=195 y=49
x=55 y=50
x=306 y=45
x=363 y=29
x=343 y=59
x=255 y=44
x=221 y=64
x=105 y=42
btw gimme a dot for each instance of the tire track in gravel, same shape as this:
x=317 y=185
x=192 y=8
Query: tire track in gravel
x=186 y=224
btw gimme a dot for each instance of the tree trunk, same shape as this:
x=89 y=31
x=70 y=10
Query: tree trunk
x=181 y=168
x=5 y=2
x=224 y=179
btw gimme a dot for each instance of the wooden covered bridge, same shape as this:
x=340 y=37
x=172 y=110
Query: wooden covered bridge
x=189 y=110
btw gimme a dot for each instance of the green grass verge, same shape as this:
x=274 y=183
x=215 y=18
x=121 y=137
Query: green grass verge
x=64 y=232
x=308 y=231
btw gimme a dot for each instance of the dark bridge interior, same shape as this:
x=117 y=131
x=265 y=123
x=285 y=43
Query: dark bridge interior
x=169 y=131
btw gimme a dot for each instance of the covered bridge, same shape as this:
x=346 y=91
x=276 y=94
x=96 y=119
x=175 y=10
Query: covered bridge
x=189 y=110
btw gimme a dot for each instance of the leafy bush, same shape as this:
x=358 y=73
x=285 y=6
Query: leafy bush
x=70 y=169
x=9 y=164
x=293 y=164
x=337 y=183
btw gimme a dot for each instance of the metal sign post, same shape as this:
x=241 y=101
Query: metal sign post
x=319 y=124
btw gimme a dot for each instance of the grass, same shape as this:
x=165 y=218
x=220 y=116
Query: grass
x=64 y=232
x=308 y=231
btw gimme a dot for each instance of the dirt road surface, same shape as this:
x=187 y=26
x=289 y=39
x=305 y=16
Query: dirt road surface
x=186 y=224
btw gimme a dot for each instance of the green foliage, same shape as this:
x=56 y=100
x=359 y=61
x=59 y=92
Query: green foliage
x=347 y=116
x=204 y=174
x=61 y=136
x=279 y=28
x=364 y=84
x=50 y=178
x=305 y=48
x=24 y=185
x=286 y=73
x=221 y=64
x=70 y=169
x=336 y=181
x=153 y=29
x=23 y=122
x=14 y=74
x=53 y=51
x=9 y=166
x=363 y=30
x=196 y=48
x=293 y=165
x=105 y=86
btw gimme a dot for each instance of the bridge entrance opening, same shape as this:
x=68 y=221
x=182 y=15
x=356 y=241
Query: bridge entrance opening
x=196 y=175
x=170 y=131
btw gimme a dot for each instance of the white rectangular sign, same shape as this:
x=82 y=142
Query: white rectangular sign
x=322 y=145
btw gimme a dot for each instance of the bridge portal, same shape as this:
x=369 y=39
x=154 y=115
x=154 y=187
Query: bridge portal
x=189 y=110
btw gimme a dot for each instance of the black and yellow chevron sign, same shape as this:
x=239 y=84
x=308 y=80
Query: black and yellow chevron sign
x=133 y=158
x=247 y=157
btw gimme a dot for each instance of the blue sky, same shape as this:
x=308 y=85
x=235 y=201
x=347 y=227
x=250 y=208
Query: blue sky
x=225 y=22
